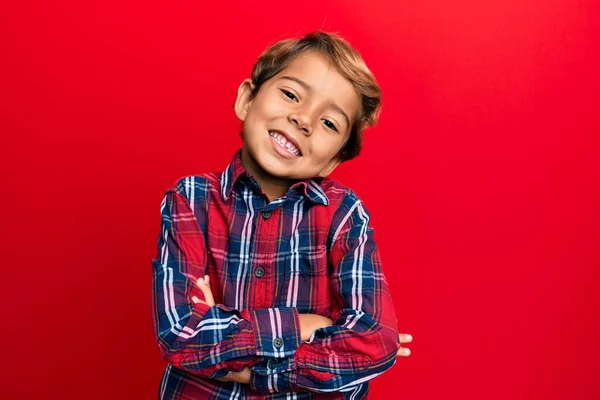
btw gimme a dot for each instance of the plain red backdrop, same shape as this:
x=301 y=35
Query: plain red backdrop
x=482 y=179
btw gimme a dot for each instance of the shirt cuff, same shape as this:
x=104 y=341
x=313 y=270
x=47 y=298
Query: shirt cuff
x=271 y=383
x=277 y=331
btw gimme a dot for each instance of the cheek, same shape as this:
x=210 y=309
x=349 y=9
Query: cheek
x=254 y=127
x=269 y=106
x=325 y=146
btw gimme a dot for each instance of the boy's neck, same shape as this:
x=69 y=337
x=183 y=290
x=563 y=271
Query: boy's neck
x=271 y=186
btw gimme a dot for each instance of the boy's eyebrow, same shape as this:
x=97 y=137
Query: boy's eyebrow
x=298 y=81
x=307 y=87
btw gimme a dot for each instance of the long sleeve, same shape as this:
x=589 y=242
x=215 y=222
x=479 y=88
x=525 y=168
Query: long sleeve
x=203 y=340
x=363 y=341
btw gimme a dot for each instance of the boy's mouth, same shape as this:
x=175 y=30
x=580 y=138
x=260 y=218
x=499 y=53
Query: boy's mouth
x=286 y=142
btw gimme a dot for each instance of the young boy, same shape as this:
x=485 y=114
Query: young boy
x=268 y=283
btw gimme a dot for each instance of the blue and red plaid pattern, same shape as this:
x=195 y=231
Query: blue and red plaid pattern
x=310 y=251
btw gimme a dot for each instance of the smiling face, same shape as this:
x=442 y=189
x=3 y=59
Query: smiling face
x=298 y=122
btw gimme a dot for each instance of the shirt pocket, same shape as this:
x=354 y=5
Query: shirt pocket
x=306 y=283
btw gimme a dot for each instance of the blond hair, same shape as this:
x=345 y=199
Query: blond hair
x=349 y=64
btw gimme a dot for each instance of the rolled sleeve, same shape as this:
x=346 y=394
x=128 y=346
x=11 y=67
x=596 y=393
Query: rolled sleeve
x=281 y=379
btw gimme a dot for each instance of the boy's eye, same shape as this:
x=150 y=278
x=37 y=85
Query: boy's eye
x=330 y=124
x=290 y=95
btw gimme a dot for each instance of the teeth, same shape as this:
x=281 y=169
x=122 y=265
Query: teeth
x=284 y=143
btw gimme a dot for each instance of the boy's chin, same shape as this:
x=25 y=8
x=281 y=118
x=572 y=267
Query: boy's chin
x=283 y=169
x=284 y=172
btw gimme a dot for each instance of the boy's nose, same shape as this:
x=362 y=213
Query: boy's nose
x=301 y=121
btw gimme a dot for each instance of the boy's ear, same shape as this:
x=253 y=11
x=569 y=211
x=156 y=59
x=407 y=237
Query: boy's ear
x=244 y=99
x=333 y=163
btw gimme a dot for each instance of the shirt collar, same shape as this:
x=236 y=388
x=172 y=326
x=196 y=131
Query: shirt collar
x=311 y=188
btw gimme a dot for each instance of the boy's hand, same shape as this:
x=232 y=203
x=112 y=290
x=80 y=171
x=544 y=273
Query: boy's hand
x=242 y=376
x=310 y=323
x=404 y=338
x=204 y=285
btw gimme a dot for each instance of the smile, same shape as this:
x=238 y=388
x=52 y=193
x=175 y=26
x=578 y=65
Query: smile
x=284 y=143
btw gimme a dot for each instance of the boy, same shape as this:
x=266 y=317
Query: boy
x=267 y=282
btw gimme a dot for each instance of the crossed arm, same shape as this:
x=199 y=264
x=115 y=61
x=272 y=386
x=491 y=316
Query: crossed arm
x=284 y=350
x=308 y=324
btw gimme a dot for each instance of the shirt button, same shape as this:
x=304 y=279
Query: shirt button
x=266 y=214
x=259 y=272
x=272 y=364
x=277 y=342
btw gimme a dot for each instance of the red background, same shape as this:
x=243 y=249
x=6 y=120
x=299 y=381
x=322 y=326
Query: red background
x=482 y=180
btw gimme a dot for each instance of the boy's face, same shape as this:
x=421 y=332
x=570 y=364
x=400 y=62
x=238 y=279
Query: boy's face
x=298 y=121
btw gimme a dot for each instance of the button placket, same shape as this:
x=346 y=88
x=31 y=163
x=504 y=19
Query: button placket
x=266 y=231
x=261 y=290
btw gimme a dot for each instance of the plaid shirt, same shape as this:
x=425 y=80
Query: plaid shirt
x=310 y=251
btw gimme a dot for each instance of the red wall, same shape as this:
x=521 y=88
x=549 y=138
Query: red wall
x=482 y=179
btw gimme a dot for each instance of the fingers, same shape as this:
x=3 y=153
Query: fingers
x=226 y=378
x=196 y=300
x=404 y=338
x=403 y=352
x=242 y=376
x=203 y=284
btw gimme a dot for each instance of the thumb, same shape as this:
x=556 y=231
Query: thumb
x=208 y=296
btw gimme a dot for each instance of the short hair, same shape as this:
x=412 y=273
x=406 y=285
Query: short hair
x=349 y=64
